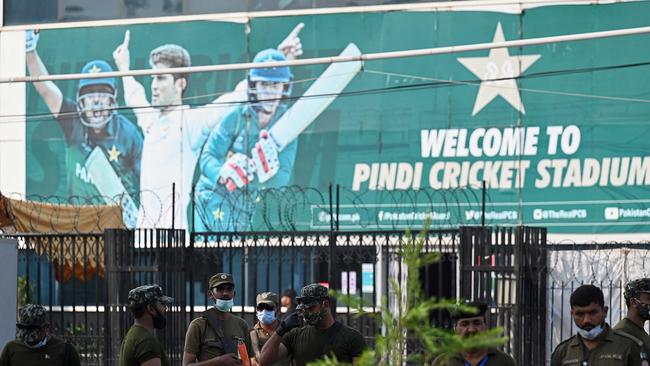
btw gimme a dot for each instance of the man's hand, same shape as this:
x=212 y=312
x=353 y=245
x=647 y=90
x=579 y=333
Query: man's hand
x=229 y=359
x=265 y=157
x=121 y=55
x=288 y=323
x=236 y=172
x=291 y=47
x=31 y=39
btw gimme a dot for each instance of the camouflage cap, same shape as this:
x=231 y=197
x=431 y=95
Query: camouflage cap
x=311 y=294
x=31 y=318
x=147 y=294
x=634 y=288
x=220 y=279
x=270 y=298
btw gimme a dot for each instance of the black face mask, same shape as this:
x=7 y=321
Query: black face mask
x=159 y=320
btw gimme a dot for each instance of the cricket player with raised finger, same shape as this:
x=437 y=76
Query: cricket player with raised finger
x=174 y=133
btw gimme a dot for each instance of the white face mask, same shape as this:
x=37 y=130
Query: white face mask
x=591 y=334
x=224 y=305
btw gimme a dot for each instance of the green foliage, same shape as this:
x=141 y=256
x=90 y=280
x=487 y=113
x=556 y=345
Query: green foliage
x=411 y=319
x=25 y=291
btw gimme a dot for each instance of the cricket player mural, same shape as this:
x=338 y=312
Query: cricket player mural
x=254 y=146
x=173 y=132
x=227 y=170
x=104 y=148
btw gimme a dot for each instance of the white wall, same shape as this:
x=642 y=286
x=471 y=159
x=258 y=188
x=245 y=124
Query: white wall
x=12 y=112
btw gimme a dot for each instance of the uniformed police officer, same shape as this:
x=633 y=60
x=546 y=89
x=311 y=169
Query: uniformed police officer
x=596 y=344
x=213 y=338
x=637 y=299
x=469 y=323
x=34 y=345
x=140 y=347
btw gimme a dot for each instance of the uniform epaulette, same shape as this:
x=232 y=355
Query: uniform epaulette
x=629 y=336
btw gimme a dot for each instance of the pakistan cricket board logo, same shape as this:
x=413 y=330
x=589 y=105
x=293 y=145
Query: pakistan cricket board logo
x=498 y=72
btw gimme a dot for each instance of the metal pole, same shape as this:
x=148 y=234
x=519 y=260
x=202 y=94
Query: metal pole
x=173 y=204
x=338 y=205
x=483 y=205
x=193 y=210
x=333 y=59
x=332 y=243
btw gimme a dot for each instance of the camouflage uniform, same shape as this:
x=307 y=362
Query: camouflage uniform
x=28 y=349
x=633 y=290
x=310 y=343
x=140 y=344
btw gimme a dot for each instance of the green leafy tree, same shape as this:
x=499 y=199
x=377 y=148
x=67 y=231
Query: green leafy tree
x=411 y=319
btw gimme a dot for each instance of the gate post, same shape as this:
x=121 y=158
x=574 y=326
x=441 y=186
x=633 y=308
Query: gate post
x=117 y=243
x=530 y=312
x=507 y=269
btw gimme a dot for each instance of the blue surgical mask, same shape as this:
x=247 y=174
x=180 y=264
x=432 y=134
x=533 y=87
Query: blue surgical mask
x=591 y=334
x=266 y=316
x=224 y=305
x=40 y=344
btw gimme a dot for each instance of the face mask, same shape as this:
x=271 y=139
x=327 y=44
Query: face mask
x=591 y=334
x=314 y=318
x=159 y=320
x=266 y=316
x=224 y=305
x=643 y=310
x=40 y=344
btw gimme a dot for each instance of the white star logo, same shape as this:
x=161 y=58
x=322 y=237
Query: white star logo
x=497 y=73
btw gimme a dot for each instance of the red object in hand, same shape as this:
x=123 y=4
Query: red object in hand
x=243 y=353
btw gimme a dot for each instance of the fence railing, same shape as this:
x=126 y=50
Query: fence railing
x=86 y=295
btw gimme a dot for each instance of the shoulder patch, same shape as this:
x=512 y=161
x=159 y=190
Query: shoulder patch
x=629 y=336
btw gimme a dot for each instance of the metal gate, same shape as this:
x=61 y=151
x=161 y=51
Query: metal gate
x=506 y=267
x=135 y=258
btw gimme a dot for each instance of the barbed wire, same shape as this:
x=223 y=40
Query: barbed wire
x=598 y=262
x=289 y=208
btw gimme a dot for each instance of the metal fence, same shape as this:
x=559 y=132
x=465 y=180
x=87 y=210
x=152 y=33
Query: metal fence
x=86 y=294
x=607 y=265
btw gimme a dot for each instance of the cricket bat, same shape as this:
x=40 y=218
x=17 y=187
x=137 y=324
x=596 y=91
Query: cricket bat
x=110 y=185
x=305 y=111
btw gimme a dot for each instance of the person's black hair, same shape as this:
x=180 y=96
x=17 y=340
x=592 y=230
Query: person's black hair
x=481 y=309
x=586 y=295
x=289 y=293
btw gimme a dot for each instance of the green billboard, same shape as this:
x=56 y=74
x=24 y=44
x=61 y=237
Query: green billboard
x=558 y=133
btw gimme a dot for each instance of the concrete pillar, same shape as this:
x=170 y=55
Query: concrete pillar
x=8 y=289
